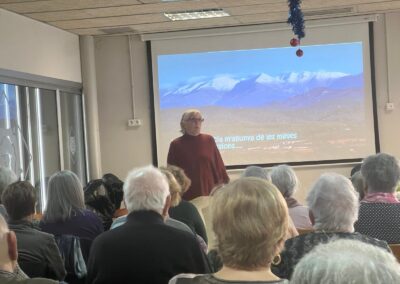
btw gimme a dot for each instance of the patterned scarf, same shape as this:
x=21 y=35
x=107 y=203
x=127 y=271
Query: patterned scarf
x=380 y=197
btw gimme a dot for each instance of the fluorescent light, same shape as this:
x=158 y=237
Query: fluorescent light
x=196 y=14
x=39 y=129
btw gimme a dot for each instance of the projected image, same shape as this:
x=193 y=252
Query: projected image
x=269 y=106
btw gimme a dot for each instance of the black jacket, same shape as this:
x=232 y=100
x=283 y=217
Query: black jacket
x=144 y=250
x=38 y=254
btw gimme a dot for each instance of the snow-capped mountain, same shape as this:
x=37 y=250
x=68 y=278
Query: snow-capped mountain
x=262 y=89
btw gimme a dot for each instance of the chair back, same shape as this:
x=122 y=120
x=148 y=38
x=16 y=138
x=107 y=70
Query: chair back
x=395 y=250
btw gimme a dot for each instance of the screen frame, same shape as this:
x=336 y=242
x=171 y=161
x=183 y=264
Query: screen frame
x=155 y=104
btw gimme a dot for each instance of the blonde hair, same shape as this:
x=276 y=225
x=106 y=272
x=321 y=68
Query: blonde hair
x=180 y=177
x=188 y=113
x=175 y=189
x=250 y=221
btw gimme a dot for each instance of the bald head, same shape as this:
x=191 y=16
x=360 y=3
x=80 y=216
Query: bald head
x=3 y=227
x=8 y=247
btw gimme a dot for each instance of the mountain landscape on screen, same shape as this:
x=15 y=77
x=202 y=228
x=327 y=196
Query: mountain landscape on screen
x=293 y=90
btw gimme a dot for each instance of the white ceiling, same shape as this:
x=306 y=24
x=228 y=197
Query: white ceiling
x=96 y=17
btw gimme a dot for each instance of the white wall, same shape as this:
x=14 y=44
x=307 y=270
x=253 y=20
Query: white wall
x=33 y=47
x=123 y=148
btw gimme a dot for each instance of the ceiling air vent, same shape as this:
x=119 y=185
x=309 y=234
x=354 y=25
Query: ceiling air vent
x=118 y=30
x=346 y=10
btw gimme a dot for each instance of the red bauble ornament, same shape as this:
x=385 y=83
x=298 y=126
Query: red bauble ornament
x=294 y=42
x=299 y=52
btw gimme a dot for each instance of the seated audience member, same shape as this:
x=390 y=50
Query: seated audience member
x=38 y=252
x=98 y=201
x=285 y=179
x=247 y=241
x=347 y=261
x=256 y=171
x=175 y=190
x=145 y=249
x=251 y=171
x=65 y=212
x=333 y=203
x=6 y=177
x=185 y=211
x=359 y=184
x=114 y=188
x=9 y=271
x=355 y=169
x=380 y=208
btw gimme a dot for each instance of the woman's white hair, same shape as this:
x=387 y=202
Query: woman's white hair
x=185 y=116
x=347 y=261
x=381 y=172
x=333 y=203
x=146 y=189
x=285 y=179
x=256 y=171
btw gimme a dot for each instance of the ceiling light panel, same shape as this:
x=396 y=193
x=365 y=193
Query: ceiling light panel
x=196 y=14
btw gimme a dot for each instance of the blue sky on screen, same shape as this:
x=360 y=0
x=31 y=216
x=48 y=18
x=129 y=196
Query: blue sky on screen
x=176 y=69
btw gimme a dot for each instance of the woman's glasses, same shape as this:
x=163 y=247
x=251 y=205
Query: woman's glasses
x=193 y=119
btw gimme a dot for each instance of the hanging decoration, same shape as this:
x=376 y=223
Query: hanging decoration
x=296 y=20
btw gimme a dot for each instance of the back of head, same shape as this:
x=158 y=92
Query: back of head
x=114 y=187
x=381 y=172
x=256 y=171
x=175 y=189
x=3 y=227
x=97 y=197
x=250 y=221
x=19 y=200
x=285 y=179
x=8 y=249
x=347 y=261
x=146 y=189
x=7 y=176
x=3 y=241
x=355 y=169
x=64 y=197
x=334 y=203
x=359 y=184
x=4 y=250
x=180 y=177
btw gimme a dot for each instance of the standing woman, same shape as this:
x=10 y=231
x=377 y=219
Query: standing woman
x=65 y=212
x=197 y=154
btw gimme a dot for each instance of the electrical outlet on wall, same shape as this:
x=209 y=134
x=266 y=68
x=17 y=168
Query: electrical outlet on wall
x=389 y=106
x=134 y=122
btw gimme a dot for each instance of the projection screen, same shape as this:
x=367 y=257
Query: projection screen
x=262 y=103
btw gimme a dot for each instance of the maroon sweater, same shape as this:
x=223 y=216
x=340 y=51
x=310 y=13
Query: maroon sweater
x=199 y=157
